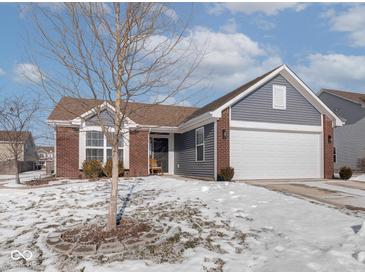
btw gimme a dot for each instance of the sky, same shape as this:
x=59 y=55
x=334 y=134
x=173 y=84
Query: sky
x=323 y=43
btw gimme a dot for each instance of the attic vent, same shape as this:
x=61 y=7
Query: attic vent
x=279 y=97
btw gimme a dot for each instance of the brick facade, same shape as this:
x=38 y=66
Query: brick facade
x=67 y=152
x=223 y=136
x=138 y=153
x=328 y=147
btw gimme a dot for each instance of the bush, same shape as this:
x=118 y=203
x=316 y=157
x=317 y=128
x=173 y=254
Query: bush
x=345 y=173
x=109 y=167
x=92 y=168
x=226 y=174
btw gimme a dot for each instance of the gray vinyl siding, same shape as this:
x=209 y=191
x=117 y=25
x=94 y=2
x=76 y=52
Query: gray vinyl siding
x=257 y=106
x=349 y=142
x=185 y=163
x=345 y=109
x=106 y=117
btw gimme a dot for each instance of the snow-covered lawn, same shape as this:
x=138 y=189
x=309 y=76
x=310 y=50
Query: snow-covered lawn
x=248 y=228
x=9 y=180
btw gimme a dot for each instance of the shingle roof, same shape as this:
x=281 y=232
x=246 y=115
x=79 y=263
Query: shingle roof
x=69 y=108
x=352 y=96
x=6 y=136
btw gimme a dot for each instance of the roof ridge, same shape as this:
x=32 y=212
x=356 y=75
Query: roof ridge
x=341 y=90
x=140 y=103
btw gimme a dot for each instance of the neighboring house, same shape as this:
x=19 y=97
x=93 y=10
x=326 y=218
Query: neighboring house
x=28 y=155
x=349 y=140
x=45 y=155
x=272 y=127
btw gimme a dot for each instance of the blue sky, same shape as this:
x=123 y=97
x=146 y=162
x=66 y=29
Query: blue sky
x=323 y=43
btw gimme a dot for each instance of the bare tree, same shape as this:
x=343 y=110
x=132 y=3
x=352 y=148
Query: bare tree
x=120 y=52
x=16 y=116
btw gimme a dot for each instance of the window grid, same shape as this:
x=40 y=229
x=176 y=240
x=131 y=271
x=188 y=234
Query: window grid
x=98 y=147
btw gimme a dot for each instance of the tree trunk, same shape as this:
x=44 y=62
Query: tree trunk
x=114 y=190
x=17 y=177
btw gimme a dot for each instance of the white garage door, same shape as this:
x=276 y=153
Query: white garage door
x=275 y=155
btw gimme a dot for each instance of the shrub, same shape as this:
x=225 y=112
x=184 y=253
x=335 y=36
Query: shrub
x=345 y=173
x=226 y=174
x=109 y=167
x=92 y=168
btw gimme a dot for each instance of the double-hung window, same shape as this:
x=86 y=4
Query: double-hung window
x=99 y=148
x=199 y=144
x=94 y=145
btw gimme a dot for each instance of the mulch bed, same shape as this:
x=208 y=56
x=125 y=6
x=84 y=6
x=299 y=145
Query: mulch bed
x=96 y=234
x=38 y=182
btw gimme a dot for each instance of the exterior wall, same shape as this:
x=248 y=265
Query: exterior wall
x=223 y=149
x=67 y=147
x=257 y=106
x=30 y=153
x=138 y=153
x=345 y=109
x=185 y=158
x=5 y=153
x=349 y=142
x=328 y=147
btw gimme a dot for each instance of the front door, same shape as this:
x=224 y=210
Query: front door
x=160 y=152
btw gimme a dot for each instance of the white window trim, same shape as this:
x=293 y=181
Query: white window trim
x=105 y=146
x=277 y=88
x=196 y=145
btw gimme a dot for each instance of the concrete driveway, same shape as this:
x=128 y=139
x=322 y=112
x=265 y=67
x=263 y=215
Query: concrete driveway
x=341 y=194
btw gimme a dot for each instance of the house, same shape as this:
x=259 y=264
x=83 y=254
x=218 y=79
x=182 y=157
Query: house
x=271 y=127
x=45 y=155
x=349 y=140
x=27 y=152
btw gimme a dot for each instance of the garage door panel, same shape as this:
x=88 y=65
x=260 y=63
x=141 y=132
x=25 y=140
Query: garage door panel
x=275 y=155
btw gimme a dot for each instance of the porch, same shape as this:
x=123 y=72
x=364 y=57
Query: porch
x=161 y=149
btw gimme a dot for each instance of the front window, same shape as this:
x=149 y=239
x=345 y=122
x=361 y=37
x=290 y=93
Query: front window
x=99 y=148
x=199 y=144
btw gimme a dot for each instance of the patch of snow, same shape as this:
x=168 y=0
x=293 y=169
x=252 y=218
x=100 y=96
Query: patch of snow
x=9 y=180
x=358 y=177
x=205 y=188
x=284 y=234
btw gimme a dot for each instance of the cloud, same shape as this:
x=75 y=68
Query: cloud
x=2 y=72
x=171 y=14
x=231 y=59
x=334 y=71
x=26 y=8
x=25 y=73
x=264 y=24
x=271 y=8
x=230 y=26
x=169 y=100
x=351 y=21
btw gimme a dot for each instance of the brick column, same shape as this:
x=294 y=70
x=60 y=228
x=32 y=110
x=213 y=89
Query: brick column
x=223 y=136
x=67 y=152
x=328 y=147
x=138 y=153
